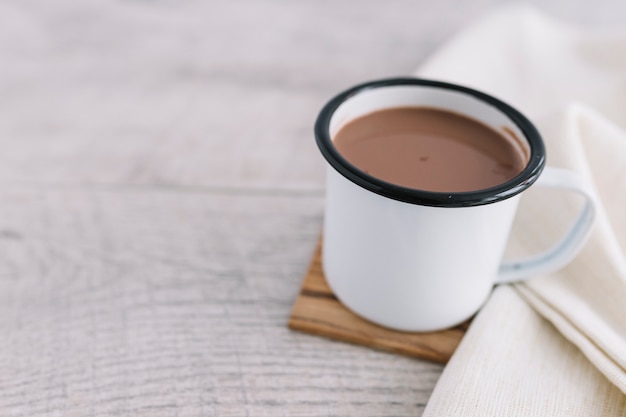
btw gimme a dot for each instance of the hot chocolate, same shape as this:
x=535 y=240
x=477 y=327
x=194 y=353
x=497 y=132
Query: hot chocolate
x=430 y=149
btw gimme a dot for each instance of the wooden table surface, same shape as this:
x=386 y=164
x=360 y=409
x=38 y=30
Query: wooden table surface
x=161 y=196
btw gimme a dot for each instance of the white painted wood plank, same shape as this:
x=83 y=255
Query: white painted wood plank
x=201 y=93
x=160 y=303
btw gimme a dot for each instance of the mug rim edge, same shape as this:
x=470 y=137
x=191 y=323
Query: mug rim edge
x=505 y=190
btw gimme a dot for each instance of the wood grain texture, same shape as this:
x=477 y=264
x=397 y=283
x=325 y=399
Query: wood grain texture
x=145 y=302
x=161 y=196
x=318 y=311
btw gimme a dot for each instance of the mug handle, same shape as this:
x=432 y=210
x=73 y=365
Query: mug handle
x=563 y=252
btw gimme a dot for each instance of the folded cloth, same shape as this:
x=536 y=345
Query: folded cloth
x=512 y=362
x=555 y=344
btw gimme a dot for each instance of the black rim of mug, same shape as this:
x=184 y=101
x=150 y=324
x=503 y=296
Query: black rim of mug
x=500 y=192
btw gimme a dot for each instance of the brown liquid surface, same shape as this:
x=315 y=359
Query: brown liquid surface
x=429 y=149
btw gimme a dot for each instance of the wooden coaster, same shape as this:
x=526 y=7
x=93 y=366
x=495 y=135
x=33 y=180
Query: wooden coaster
x=317 y=311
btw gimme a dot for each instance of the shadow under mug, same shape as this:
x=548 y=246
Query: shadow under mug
x=416 y=260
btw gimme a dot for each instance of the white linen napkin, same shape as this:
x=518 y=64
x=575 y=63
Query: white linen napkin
x=554 y=345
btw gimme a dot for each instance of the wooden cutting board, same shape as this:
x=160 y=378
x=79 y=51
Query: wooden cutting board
x=317 y=311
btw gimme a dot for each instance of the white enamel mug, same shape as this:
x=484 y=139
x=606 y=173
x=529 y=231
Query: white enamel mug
x=416 y=260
